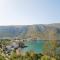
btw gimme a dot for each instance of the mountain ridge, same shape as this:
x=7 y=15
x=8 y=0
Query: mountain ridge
x=41 y=31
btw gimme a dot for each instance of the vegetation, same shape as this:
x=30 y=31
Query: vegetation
x=2 y=58
x=4 y=41
x=28 y=56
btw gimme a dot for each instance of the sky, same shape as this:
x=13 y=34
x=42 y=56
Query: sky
x=27 y=12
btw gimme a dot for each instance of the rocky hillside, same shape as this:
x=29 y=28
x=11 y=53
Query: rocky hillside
x=40 y=31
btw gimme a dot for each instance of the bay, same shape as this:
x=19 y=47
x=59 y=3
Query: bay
x=36 y=46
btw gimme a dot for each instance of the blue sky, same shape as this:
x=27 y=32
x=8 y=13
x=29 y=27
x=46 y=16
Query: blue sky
x=26 y=12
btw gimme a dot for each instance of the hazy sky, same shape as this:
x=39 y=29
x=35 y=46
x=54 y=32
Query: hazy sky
x=23 y=12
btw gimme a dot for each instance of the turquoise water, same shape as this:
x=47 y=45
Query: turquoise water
x=36 y=46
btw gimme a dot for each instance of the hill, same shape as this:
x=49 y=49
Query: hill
x=38 y=31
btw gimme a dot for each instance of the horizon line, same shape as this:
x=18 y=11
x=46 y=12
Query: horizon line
x=28 y=24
